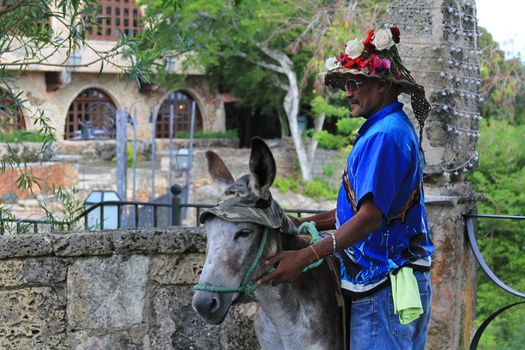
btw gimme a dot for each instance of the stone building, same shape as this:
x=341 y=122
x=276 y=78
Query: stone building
x=73 y=97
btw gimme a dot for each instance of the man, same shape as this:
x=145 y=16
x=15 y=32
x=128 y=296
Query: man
x=382 y=235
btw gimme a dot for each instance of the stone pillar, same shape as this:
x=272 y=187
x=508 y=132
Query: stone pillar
x=439 y=46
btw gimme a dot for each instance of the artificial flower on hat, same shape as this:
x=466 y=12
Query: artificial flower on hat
x=376 y=57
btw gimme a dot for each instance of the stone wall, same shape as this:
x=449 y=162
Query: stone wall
x=110 y=290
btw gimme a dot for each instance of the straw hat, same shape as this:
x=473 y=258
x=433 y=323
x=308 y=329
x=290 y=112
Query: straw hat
x=377 y=57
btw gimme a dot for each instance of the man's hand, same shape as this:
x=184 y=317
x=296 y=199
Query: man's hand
x=290 y=264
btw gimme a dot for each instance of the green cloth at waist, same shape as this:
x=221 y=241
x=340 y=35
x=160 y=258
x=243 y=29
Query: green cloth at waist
x=405 y=294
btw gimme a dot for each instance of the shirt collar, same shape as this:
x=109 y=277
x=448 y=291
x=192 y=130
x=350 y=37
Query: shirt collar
x=377 y=116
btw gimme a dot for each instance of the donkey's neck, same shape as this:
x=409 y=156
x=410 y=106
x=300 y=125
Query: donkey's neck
x=308 y=303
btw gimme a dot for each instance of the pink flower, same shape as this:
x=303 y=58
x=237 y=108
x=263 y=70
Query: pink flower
x=374 y=64
x=387 y=64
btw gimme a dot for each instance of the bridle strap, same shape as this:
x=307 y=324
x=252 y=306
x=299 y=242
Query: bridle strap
x=249 y=286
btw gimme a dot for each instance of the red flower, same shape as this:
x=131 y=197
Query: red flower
x=346 y=61
x=362 y=63
x=396 y=34
x=370 y=47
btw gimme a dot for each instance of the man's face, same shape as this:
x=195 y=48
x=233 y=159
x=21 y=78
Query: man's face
x=365 y=96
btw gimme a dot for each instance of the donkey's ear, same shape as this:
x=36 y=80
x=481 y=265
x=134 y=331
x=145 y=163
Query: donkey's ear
x=218 y=170
x=262 y=166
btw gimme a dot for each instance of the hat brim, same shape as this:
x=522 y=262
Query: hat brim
x=272 y=217
x=338 y=77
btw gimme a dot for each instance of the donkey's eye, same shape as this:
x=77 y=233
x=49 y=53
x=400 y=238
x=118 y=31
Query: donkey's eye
x=242 y=233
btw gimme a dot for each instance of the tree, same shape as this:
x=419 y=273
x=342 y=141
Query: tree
x=499 y=179
x=263 y=51
x=27 y=39
x=502 y=82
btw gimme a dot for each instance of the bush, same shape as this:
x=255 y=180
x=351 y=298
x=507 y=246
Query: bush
x=228 y=134
x=19 y=136
x=329 y=170
x=317 y=189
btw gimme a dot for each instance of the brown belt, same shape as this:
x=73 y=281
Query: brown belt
x=414 y=198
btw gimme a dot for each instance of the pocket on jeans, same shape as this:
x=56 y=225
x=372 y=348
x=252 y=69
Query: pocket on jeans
x=398 y=329
x=362 y=300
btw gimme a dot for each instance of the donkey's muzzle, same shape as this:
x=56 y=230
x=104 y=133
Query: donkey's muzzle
x=209 y=307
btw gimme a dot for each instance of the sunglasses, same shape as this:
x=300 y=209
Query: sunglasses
x=352 y=85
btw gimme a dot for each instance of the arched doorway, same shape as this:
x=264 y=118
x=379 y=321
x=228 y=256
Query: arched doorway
x=91 y=115
x=181 y=103
x=11 y=116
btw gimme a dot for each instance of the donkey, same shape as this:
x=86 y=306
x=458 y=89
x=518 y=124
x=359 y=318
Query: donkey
x=302 y=314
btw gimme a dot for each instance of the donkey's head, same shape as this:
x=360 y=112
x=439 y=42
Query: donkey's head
x=235 y=229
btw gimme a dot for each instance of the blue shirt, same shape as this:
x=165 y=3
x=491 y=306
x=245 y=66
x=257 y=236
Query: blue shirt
x=386 y=162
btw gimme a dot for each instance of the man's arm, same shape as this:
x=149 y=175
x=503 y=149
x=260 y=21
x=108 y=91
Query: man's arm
x=323 y=221
x=291 y=263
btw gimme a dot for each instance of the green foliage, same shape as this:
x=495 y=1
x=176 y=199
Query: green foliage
x=285 y=184
x=317 y=188
x=228 y=134
x=346 y=125
x=329 y=170
x=500 y=178
x=62 y=209
x=19 y=136
x=27 y=39
x=226 y=39
x=328 y=140
x=502 y=82
x=320 y=105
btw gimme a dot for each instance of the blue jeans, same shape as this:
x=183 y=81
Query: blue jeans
x=374 y=326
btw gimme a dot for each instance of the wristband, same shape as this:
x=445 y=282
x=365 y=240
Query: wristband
x=334 y=243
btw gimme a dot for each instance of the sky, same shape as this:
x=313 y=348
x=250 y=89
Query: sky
x=504 y=20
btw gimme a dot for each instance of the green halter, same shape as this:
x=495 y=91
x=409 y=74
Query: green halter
x=249 y=286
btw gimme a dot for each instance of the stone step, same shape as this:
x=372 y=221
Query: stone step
x=95 y=177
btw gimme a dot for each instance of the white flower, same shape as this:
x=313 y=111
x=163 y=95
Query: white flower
x=331 y=63
x=383 y=39
x=354 y=48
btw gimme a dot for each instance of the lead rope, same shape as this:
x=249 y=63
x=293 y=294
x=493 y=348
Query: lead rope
x=309 y=227
x=248 y=286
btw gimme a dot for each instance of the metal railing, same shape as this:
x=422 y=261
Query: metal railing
x=126 y=219
x=472 y=237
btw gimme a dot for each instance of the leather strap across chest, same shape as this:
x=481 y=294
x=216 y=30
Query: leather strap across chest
x=414 y=199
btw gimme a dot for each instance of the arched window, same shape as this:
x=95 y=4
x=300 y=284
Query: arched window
x=90 y=116
x=11 y=116
x=116 y=17
x=181 y=103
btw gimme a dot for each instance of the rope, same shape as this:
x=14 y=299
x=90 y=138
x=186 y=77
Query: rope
x=309 y=227
x=248 y=286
